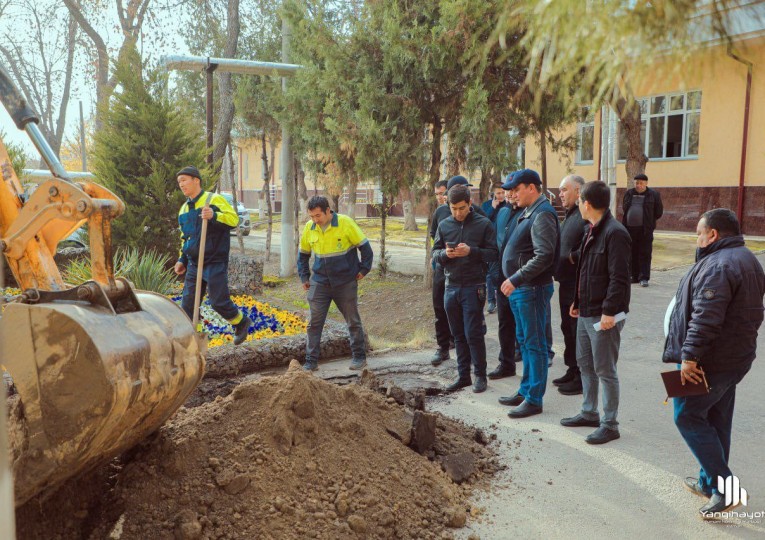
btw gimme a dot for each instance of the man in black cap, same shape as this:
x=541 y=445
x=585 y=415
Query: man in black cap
x=221 y=218
x=465 y=244
x=642 y=208
x=529 y=261
x=443 y=334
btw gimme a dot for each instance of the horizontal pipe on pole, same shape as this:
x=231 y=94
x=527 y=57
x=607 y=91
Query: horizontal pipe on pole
x=45 y=174
x=229 y=65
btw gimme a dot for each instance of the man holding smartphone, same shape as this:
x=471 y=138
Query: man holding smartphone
x=465 y=244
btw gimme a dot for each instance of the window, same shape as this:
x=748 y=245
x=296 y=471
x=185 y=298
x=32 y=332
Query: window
x=585 y=136
x=670 y=126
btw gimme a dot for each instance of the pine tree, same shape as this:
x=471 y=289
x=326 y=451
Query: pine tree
x=144 y=141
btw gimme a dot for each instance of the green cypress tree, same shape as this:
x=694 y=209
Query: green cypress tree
x=145 y=140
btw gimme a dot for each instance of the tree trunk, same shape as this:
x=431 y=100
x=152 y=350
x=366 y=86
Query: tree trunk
x=302 y=190
x=543 y=157
x=232 y=181
x=225 y=85
x=267 y=173
x=455 y=158
x=383 y=268
x=410 y=204
x=485 y=186
x=299 y=178
x=352 y=188
x=434 y=176
x=334 y=201
x=629 y=115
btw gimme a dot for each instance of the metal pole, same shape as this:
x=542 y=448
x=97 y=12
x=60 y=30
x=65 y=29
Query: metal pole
x=209 y=110
x=288 y=256
x=82 y=140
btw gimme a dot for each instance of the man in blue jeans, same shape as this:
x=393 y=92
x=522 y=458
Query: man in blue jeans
x=529 y=260
x=465 y=244
x=713 y=335
x=335 y=241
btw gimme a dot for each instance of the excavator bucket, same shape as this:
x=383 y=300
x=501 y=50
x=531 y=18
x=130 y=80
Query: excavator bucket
x=92 y=383
x=97 y=367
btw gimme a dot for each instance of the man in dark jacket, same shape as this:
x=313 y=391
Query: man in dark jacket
x=571 y=233
x=465 y=244
x=713 y=334
x=507 y=219
x=443 y=334
x=601 y=303
x=642 y=209
x=529 y=262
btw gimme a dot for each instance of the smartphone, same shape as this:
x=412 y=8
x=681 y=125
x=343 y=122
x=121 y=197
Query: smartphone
x=451 y=245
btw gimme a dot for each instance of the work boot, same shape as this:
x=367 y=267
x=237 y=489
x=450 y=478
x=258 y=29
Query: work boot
x=440 y=357
x=242 y=330
x=602 y=435
x=311 y=365
x=502 y=371
x=480 y=385
x=459 y=384
x=572 y=387
x=567 y=377
x=358 y=363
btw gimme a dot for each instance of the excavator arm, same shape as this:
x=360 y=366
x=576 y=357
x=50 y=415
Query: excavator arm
x=99 y=366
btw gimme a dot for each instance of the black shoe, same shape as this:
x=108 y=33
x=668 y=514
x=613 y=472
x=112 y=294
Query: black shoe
x=692 y=485
x=501 y=372
x=644 y=283
x=492 y=308
x=242 y=330
x=571 y=388
x=480 y=385
x=579 y=421
x=459 y=384
x=517 y=357
x=440 y=357
x=513 y=401
x=550 y=361
x=602 y=435
x=524 y=409
x=452 y=345
x=568 y=376
x=717 y=504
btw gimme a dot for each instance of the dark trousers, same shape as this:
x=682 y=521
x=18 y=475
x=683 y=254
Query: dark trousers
x=215 y=284
x=642 y=247
x=492 y=289
x=706 y=422
x=443 y=333
x=464 y=307
x=566 y=293
x=506 y=320
x=345 y=296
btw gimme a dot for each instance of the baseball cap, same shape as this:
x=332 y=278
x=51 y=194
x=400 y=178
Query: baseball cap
x=457 y=181
x=524 y=176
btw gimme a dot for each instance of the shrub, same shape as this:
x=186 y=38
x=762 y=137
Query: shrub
x=147 y=270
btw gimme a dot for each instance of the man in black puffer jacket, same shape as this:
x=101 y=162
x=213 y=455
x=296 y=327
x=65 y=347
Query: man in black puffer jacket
x=602 y=292
x=713 y=334
x=465 y=243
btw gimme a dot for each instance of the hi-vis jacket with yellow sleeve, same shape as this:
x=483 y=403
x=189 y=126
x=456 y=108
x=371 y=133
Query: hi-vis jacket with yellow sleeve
x=218 y=241
x=336 y=259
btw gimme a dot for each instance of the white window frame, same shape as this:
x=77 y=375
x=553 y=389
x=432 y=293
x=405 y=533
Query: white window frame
x=588 y=116
x=648 y=115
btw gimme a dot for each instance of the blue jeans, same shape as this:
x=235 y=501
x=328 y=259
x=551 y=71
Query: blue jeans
x=706 y=421
x=530 y=305
x=320 y=296
x=464 y=308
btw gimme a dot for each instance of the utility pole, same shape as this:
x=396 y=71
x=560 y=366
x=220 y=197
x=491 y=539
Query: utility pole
x=82 y=141
x=288 y=256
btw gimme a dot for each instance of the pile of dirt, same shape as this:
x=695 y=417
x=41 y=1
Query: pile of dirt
x=290 y=456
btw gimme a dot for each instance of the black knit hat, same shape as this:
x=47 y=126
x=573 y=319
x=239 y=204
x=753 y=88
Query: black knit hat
x=189 y=171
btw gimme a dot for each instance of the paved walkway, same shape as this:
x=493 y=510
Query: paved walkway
x=557 y=486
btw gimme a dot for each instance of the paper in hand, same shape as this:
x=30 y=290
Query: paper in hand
x=618 y=317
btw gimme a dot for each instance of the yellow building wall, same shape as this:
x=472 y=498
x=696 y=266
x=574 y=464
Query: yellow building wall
x=722 y=81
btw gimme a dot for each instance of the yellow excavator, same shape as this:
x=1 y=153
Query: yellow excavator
x=96 y=367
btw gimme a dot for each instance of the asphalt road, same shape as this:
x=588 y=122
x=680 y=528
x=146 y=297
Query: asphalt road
x=557 y=486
